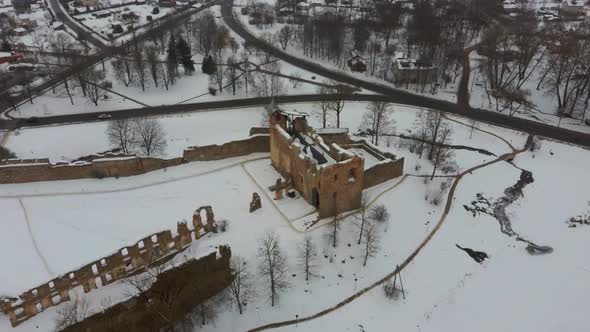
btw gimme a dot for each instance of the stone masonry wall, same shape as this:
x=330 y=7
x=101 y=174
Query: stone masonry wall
x=382 y=172
x=126 y=261
x=253 y=144
x=190 y=283
x=33 y=170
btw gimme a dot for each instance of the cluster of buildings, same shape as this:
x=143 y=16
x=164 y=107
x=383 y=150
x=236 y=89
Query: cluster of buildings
x=549 y=10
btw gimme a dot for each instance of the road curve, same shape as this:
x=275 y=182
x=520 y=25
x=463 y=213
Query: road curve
x=403 y=97
x=493 y=118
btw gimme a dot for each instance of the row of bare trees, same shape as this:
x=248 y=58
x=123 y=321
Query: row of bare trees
x=145 y=136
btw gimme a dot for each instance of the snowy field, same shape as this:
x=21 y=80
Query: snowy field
x=446 y=289
x=70 y=142
x=104 y=25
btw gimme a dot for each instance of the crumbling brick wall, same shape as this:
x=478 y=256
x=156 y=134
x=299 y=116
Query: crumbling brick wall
x=253 y=144
x=192 y=283
x=383 y=171
x=124 y=262
x=33 y=170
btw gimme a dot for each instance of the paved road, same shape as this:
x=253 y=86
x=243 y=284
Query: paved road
x=531 y=127
x=403 y=97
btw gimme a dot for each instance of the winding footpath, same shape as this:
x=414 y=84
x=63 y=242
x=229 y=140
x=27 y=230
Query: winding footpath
x=449 y=202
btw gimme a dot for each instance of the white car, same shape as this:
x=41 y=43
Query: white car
x=104 y=116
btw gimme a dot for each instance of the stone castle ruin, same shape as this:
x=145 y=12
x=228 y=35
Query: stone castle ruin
x=152 y=249
x=322 y=168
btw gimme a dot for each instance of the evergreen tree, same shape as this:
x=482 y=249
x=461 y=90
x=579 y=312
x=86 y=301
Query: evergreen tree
x=172 y=59
x=184 y=55
x=6 y=47
x=209 y=66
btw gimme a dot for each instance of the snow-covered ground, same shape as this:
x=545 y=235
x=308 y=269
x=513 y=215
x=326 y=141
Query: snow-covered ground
x=69 y=142
x=68 y=223
x=104 y=25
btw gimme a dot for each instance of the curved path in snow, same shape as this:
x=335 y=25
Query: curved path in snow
x=410 y=258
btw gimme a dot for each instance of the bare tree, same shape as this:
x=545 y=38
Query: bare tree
x=207 y=311
x=121 y=133
x=232 y=74
x=285 y=36
x=333 y=235
x=92 y=79
x=123 y=70
x=153 y=64
x=273 y=265
x=441 y=150
x=241 y=288
x=377 y=121
x=151 y=138
x=335 y=94
x=139 y=66
x=362 y=217
x=308 y=257
x=71 y=313
x=371 y=241
x=267 y=83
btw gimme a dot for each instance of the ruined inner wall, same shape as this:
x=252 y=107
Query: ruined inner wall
x=191 y=283
x=383 y=172
x=21 y=171
x=126 y=261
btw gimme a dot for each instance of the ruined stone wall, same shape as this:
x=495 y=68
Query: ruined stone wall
x=20 y=172
x=382 y=172
x=191 y=283
x=32 y=170
x=253 y=144
x=126 y=261
x=331 y=188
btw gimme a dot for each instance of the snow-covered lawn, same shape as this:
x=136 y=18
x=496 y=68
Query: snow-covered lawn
x=69 y=142
x=104 y=25
x=72 y=222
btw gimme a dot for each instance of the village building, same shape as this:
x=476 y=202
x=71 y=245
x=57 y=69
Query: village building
x=573 y=8
x=357 y=64
x=408 y=70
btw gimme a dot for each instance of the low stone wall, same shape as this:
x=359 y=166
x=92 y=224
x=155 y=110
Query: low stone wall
x=188 y=285
x=33 y=170
x=253 y=144
x=152 y=249
x=20 y=171
x=384 y=171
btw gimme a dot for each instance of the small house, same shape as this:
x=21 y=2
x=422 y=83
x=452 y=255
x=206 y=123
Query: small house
x=573 y=8
x=8 y=57
x=357 y=64
x=408 y=70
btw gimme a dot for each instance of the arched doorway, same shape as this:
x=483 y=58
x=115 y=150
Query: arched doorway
x=315 y=198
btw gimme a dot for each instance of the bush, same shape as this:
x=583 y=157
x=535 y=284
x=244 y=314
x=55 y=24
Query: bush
x=391 y=291
x=6 y=154
x=117 y=28
x=587 y=122
x=156 y=11
x=149 y=18
x=212 y=91
x=222 y=225
x=98 y=174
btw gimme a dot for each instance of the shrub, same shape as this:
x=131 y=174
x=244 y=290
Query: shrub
x=212 y=91
x=156 y=11
x=391 y=291
x=117 y=28
x=5 y=153
x=98 y=174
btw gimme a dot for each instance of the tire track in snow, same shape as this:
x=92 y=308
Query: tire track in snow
x=30 y=230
